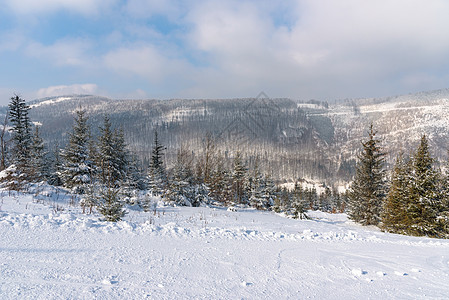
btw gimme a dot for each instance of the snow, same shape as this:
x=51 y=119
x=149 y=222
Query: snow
x=51 y=101
x=50 y=250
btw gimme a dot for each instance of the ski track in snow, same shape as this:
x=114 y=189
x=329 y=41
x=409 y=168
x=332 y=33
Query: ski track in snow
x=209 y=253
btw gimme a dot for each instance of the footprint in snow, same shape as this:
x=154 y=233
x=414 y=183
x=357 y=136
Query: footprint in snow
x=110 y=280
x=358 y=272
x=400 y=273
x=244 y=283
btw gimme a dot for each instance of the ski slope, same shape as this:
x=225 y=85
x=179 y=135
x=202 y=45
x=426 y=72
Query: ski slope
x=50 y=250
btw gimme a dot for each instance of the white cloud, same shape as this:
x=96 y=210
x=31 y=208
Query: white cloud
x=146 y=61
x=86 y=7
x=62 y=52
x=297 y=48
x=328 y=48
x=60 y=90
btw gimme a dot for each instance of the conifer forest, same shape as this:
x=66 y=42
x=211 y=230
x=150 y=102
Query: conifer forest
x=97 y=165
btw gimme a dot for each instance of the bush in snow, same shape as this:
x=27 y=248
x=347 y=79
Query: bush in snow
x=107 y=200
x=11 y=179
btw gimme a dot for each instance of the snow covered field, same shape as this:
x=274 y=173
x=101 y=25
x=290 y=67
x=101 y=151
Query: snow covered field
x=208 y=253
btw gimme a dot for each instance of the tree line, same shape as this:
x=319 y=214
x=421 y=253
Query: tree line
x=106 y=175
x=413 y=200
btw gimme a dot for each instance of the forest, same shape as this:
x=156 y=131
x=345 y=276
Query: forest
x=97 y=166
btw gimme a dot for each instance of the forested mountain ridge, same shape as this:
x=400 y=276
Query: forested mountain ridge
x=293 y=139
x=276 y=130
x=400 y=122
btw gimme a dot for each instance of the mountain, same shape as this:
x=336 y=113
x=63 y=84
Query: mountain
x=400 y=122
x=293 y=139
x=277 y=130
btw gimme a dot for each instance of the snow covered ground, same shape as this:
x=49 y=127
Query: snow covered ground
x=50 y=250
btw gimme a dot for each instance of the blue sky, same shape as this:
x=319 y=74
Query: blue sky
x=304 y=49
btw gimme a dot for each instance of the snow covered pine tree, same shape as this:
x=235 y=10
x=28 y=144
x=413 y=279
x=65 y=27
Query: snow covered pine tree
x=77 y=167
x=21 y=138
x=367 y=191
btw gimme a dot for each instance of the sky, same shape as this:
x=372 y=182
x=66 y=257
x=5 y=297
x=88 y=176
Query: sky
x=163 y=49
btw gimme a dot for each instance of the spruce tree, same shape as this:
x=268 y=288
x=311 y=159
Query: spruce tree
x=394 y=216
x=299 y=206
x=367 y=191
x=53 y=167
x=443 y=216
x=106 y=199
x=109 y=172
x=77 y=166
x=208 y=159
x=221 y=182
x=260 y=188
x=38 y=156
x=3 y=143
x=424 y=196
x=239 y=180
x=113 y=158
x=157 y=175
x=180 y=188
x=21 y=137
x=255 y=186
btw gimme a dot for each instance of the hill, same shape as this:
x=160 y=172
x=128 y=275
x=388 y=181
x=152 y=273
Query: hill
x=293 y=139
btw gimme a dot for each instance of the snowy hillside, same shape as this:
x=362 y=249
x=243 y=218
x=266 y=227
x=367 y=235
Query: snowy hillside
x=400 y=122
x=50 y=250
x=295 y=139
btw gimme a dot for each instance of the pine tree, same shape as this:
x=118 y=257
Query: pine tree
x=443 y=216
x=157 y=176
x=21 y=136
x=107 y=193
x=325 y=200
x=255 y=186
x=107 y=200
x=299 y=206
x=209 y=158
x=180 y=188
x=53 y=166
x=112 y=156
x=77 y=166
x=221 y=182
x=239 y=180
x=284 y=202
x=134 y=176
x=394 y=217
x=260 y=189
x=122 y=155
x=38 y=156
x=3 y=143
x=424 y=196
x=367 y=191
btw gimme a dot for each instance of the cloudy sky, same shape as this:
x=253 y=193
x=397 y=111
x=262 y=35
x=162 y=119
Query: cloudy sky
x=321 y=49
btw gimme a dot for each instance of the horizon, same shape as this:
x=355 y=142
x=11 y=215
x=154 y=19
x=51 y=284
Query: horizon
x=224 y=98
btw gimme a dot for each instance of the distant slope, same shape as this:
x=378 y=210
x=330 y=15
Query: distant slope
x=400 y=122
x=277 y=130
x=293 y=139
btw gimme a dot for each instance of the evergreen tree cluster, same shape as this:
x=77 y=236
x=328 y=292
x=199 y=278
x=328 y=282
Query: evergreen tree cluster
x=414 y=202
x=417 y=202
x=106 y=175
